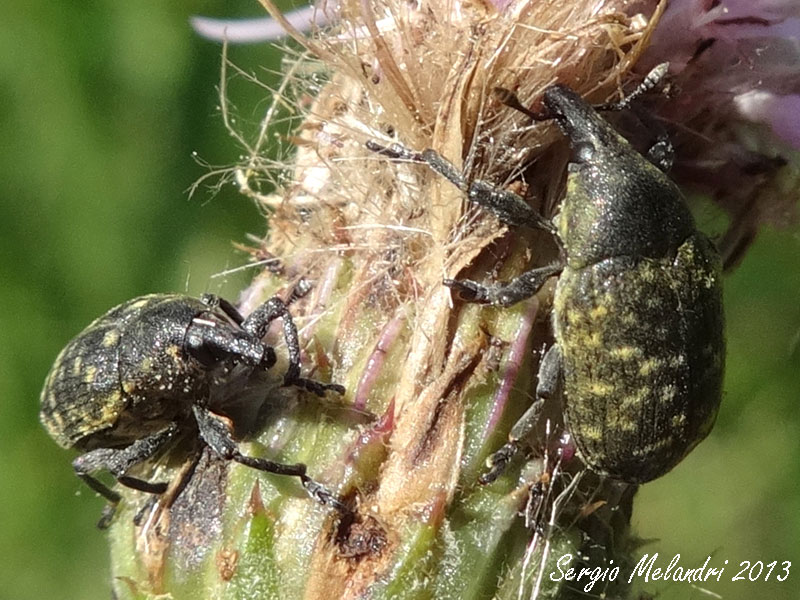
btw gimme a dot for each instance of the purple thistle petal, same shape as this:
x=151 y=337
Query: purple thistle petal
x=376 y=360
x=262 y=29
x=514 y=359
x=782 y=113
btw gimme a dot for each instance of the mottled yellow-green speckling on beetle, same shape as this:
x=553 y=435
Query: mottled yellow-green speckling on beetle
x=636 y=359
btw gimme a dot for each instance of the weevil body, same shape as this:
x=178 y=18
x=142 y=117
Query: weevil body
x=127 y=374
x=637 y=314
x=638 y=307
x=638 y=321
x=158 y=367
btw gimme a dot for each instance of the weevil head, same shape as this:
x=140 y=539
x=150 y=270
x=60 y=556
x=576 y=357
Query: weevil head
x=590 y=136
x=617 y=202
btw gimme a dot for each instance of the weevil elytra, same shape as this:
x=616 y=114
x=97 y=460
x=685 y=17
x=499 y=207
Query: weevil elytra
x=160 y=367
x=637 y=314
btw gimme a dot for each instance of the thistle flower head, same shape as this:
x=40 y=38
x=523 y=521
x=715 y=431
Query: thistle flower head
x=378 y=236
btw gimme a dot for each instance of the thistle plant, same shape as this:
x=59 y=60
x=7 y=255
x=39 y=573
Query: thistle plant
x=434 y=384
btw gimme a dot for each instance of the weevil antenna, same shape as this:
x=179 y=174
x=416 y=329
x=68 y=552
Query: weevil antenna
x=511 y=100
x=651 y=80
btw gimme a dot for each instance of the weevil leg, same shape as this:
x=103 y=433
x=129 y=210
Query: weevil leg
x=144 y=510
x=211 y=345
x=508 y=207
x=549 y=378
x=257 y=324
x=117 y=461
x=97 y=485
x=174 y=490
x=317 y=387
x=498 y=461
x=300 y=290
x=661 y=152
x=109 y=510
x=445 y=168
x=534 y=505
x=504 y=294
x=394 y=151
x=259 y=321
x=216 y=433
x=214 y=301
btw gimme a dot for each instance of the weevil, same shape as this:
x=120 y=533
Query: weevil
x=157 y=368
x=637 y=315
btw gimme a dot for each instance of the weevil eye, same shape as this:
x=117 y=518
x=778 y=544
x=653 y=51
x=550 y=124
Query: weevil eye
x=197 y=348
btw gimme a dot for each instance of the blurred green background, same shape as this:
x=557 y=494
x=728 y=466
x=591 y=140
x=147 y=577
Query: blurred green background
x=103 y=104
